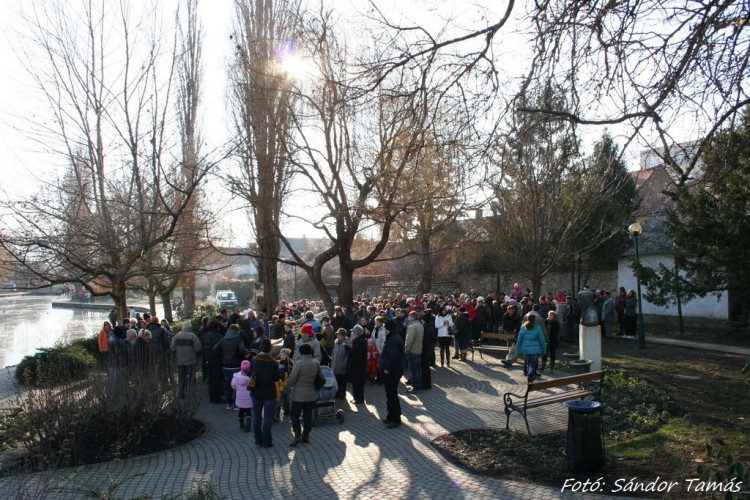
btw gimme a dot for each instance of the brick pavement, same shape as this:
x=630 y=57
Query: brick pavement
x=359 y=459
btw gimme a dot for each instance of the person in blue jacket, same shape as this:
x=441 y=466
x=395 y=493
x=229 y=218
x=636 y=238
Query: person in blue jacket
x=531 y=343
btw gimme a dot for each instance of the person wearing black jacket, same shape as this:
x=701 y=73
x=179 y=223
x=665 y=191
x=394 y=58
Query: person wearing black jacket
x=356 y=371
x=121 y=331
x=266 y=371
x=511 y=322
x=463 y=332
x=553 y=333
x=482 y=315
x=392 y=366
x=428 y=348
x=213 y=361
x=341 y=321
x=158 y=348
x=233 y=351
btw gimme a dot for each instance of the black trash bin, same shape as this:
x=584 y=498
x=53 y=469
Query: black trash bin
x=584 y=450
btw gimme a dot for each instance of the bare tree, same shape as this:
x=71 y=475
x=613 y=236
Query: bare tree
x=352 y=158
x=107 y=76
x=265 y=34
x=441 y=182
x=652 y=66
x=190 y=75
x=545 y=201
x=655 y=66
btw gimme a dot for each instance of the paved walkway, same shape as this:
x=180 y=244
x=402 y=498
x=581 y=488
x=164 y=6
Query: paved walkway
x=700 y=345
x=359 y=459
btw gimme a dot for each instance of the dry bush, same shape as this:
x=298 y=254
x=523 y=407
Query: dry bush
x=123 y=411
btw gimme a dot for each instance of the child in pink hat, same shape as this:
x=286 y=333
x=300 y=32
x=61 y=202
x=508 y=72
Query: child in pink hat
x=243 y=400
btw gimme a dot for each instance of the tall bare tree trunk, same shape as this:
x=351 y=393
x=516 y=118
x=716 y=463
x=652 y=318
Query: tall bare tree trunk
x=188 y=293
x=152 y=301
x=119 y=294
x=345 y=288
x=166 y=302
x=270 y=247
x=425 y=277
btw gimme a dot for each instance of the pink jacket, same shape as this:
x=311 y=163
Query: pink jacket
x=239 y=384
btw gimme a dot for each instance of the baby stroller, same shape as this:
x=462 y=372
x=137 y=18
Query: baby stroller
x=325 y=404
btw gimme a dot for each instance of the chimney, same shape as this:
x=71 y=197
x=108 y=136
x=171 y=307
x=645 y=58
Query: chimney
x=478 y=214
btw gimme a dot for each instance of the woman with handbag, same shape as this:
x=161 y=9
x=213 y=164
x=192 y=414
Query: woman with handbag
x=264 y=374
x=302 y=383
x=445 y=331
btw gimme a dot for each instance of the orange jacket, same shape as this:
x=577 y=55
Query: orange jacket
x=103 y=341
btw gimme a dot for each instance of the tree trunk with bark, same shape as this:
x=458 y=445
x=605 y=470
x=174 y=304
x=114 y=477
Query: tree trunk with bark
x=188 y=293
x=345 y=289
x=425 y=278
x=166 y=302
x=119 y=294
x=270 y=247
x=152 y=301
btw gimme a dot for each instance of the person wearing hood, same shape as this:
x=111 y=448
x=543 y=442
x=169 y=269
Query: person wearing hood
x=308 y=338
x=340 y=320
x=356 y=372
x=531 y=343
x=392 y=366
x=233 y=351
x=187 y=345
x=266 y=372
x=340 y=361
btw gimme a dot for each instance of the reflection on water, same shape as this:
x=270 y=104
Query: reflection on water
x=29 y=322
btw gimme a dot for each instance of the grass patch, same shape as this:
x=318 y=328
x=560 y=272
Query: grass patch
x=724 y=336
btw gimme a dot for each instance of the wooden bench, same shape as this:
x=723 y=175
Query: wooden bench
x=588 y=384
x=479 y=345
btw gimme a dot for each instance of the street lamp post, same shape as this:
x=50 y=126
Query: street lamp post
x=635 y=230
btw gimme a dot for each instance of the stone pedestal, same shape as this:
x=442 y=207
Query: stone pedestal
x=590 y=345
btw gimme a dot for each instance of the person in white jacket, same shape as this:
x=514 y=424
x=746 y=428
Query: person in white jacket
x=444 y=325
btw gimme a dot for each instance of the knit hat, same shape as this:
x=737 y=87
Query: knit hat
x=285 y=352
x=307 y=329
x=390 y=325
x=358 y=330
x=245 y=365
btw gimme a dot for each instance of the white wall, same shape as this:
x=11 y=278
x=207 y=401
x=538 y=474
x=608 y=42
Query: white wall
x=706 y=307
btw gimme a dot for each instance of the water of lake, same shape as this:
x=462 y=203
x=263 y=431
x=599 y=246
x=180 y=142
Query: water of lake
x=28 y=322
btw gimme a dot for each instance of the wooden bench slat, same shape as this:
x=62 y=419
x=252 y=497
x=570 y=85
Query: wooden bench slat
x=565 y=396
x=559 y=382
x=554 y=397
x=498 y=336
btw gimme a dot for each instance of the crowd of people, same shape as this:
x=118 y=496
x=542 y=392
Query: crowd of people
x=263 y=363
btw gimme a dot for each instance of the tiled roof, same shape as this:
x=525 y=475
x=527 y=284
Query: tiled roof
x=650 y=184
x=653 y=239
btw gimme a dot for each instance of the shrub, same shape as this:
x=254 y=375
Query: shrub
x=123 y=412
x=633 y=405
x=89 y=344
x=62 y=362
x=197 y=316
